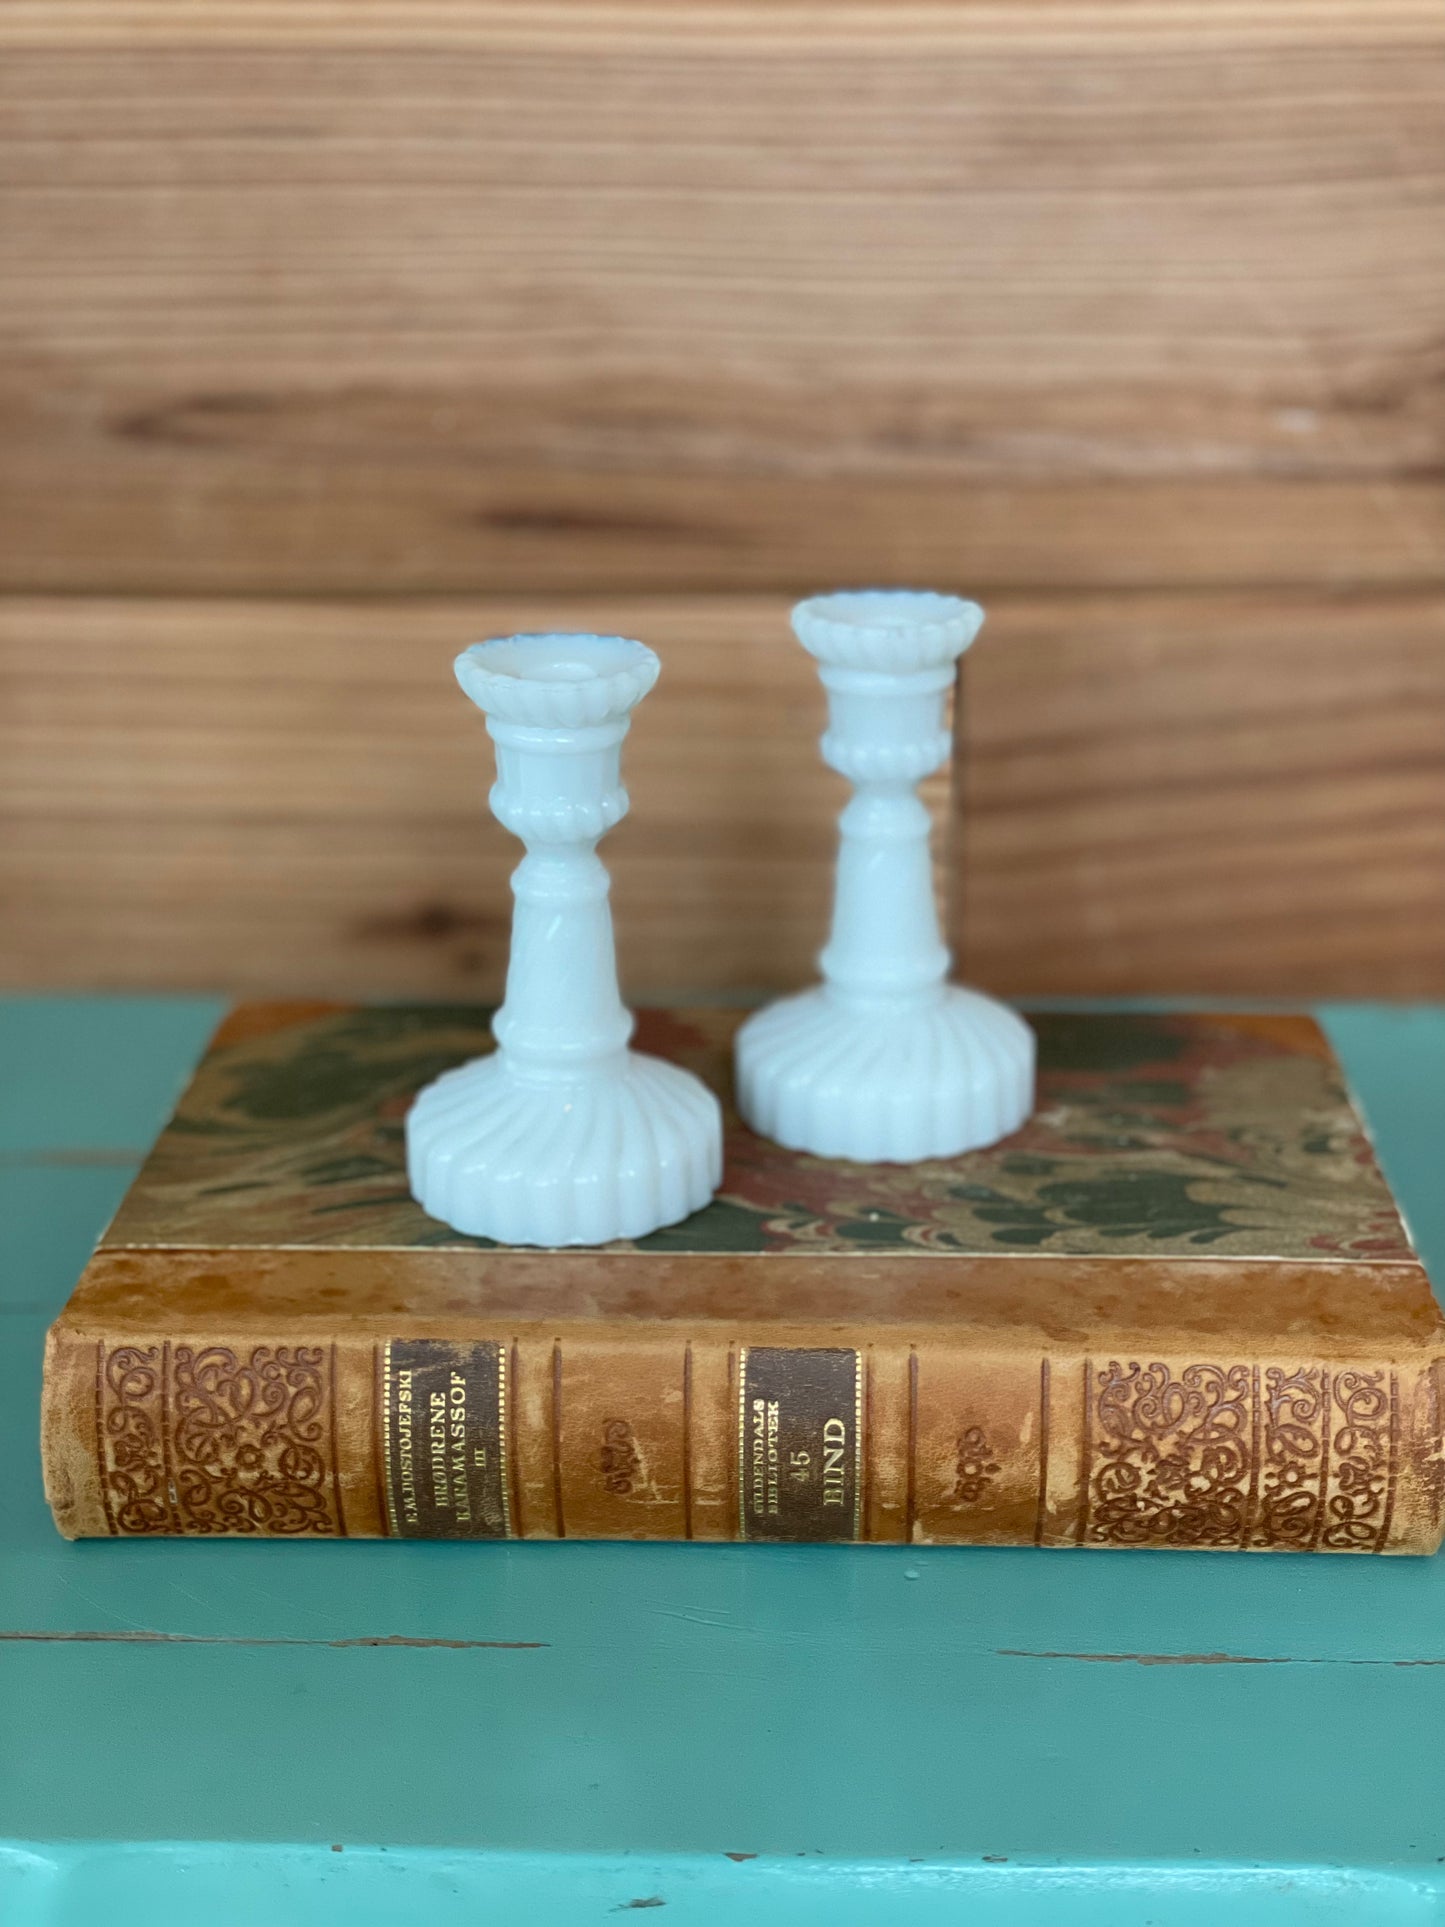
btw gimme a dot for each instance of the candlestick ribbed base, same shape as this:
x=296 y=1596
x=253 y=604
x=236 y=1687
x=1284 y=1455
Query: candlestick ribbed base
x=883 y=1086
x=580 y=1161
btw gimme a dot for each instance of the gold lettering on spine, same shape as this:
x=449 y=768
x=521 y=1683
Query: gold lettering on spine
x=399 y=1464
x=406 y=1445
x=437 y=1450
x=835 y=1476
x=456 y=1458
x=443 y=1453
x=796 y=1457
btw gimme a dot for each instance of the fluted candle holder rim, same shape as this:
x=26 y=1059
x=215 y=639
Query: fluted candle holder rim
x=897 y=630
x=557 y=678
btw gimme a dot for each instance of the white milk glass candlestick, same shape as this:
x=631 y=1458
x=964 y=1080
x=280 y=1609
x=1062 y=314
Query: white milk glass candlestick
x=885 y=1062
x=562 y=1136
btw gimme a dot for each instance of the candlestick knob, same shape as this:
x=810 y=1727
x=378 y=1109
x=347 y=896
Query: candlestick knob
x=885 y=1061
x=563 y=1135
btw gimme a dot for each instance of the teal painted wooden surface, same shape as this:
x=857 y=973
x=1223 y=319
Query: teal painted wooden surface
x=898 y=1735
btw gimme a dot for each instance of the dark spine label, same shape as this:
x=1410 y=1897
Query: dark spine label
x=444 y=1412
x=800 y=1443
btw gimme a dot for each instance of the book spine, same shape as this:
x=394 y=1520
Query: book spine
x=784 y=1434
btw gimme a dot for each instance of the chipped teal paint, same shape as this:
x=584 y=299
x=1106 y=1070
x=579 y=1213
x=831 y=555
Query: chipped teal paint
x=1009 y=1738
x=367 y=1887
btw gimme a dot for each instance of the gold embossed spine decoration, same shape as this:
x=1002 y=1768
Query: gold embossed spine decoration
x=205 y=1436
x=621 y=1437
x=384 y=1431
x=858 y=1452
x=503 y=1429
x=742 y=1445
x=1182 y=1452
x=978 y=1433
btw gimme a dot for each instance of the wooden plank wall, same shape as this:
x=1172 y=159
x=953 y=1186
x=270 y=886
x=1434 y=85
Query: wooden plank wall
x=332 y=336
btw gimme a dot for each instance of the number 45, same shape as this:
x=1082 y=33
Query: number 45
x=798 y=1463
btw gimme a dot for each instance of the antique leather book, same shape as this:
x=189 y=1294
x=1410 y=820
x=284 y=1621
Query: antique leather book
x=1178 y=1309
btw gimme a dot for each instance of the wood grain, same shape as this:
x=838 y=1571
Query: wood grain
x=477 y=298
x=1233 y=793
x=294 y=796
x=1228 y=794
